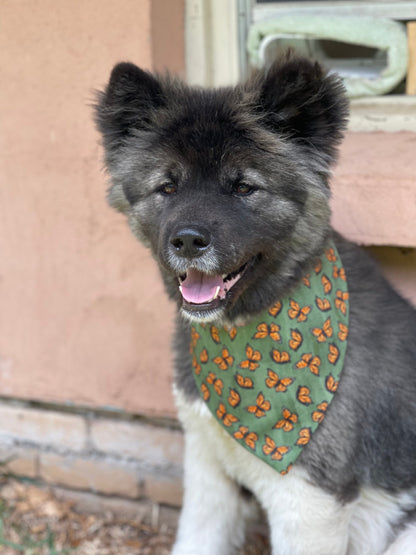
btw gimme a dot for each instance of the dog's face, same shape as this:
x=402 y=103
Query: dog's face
x=229 y=187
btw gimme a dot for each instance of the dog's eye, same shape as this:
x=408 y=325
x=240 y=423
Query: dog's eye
x=168 y=189
x=242 y=189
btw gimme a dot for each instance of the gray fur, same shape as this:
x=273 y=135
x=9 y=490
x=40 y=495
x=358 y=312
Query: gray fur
x=279 y=132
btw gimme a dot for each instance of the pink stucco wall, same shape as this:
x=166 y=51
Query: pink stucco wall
x=374 y=193
x=374 y=201
x=76 y=291
x=83 y=316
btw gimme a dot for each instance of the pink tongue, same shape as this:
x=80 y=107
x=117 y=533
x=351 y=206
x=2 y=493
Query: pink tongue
x=199 y=288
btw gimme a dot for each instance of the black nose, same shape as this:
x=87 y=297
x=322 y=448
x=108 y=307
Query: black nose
x=191 y=241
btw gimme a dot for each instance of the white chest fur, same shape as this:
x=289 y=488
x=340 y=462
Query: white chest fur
x=304 y=519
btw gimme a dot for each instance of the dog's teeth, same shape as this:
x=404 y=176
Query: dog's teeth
x=217 y=292
x=180 y=289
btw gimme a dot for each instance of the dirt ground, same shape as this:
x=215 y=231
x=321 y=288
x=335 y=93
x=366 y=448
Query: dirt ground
x=33 y=521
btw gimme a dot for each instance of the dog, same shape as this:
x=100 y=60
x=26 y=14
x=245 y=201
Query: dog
x=229 y=188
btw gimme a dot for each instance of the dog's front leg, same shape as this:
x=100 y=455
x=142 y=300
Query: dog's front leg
x=304 y=519
x=212 y=518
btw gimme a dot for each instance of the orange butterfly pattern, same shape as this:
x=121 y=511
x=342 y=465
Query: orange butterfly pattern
x=333 y=353
x=244 y=382
x=253 y=359
x=330 y=254
x=279 y=384
x=298 y=313
x=285 y=472
x=331 y=384
x=323 y=304
x=205 y=392
x=227 y=419
x=215 y=334
x=216 y=382
x=265 y=330
x=310 y=361
x=225 y=360
x=303 y=395
x=203 y=357
x=281 y=357
x=339 y=273
x=327 y=285
x=296 y=339
x=234 y=398
x=260 y=408
x=318 y=267
x=275 y=309
x=340 y=301
x=269 y=382
x=196 y=366
x=232 y=332
x=319 y=414
x=304 y=437
x=271 y=449
x=324 y=333
x=249 y=438
x=343 y=332
x=194 y=337
x=288 y=421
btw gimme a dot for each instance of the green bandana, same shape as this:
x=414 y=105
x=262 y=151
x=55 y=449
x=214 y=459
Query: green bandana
x=269 y=383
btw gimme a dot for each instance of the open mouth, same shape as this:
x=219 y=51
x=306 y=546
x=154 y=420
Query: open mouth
x=202 y=291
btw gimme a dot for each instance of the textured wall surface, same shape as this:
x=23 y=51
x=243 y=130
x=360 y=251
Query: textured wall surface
x=374 y=186
x=77 y=293
x=83 y=316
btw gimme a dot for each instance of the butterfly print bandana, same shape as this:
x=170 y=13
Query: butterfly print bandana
x=270 y=382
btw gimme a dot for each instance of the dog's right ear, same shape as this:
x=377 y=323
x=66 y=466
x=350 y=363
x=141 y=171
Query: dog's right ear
x=127 y=103
x=300 y=99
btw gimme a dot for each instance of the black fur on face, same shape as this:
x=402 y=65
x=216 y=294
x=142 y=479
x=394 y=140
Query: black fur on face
x=228 y=187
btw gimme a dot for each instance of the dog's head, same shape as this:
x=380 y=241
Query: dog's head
x=228 y=187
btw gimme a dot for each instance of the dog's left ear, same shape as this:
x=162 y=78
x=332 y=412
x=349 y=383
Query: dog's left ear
x=302 y=101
